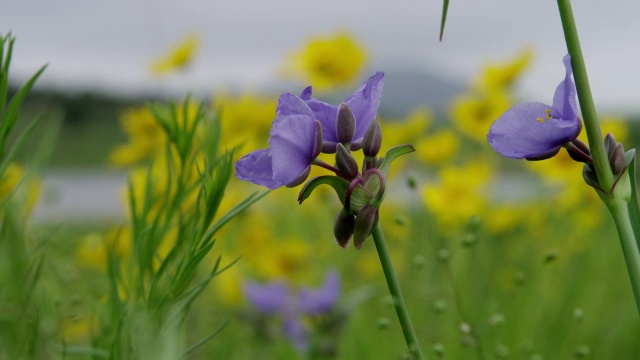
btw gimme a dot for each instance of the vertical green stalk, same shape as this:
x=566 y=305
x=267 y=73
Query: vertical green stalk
x=620 y=212
x=587 y=106
x=618 y=207
x=396 y=293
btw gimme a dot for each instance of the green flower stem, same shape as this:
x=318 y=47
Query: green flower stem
x=620 y=212
x=396 y=293
x=587 y=106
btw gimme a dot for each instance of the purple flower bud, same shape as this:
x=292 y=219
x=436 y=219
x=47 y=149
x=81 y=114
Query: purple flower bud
x=617 y=160
x=579 y=151
x=372 y=139
x=609 y=142
x=536 y=131
x=345 y=162
x=363 y=104
x=590 y=177
x=343 y=227
x=365 y=221
x=346 y=125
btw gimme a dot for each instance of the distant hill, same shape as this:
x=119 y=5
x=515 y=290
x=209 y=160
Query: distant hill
x=405 y=89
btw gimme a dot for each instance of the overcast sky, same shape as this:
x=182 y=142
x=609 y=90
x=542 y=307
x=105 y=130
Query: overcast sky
x=108 y=44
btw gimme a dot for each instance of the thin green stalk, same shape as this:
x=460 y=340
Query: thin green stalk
x=620 y=212
x=587 y=106
x=396 y=293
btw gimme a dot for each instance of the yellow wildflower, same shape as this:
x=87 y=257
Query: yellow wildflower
x=328 y=62
x=566 y=174
x=10 y=179
x=474 y=113
x=611 y=124
x=228 y=286
x=458 y=195
x=499 y=76
x=438 y=148
x=178 y=57
x=560 y=168
x=92 y=251
x=239 y=113
x=146 y=136
x=504 y=217
x=408 y=130
x=76 y=329
x=14 y=183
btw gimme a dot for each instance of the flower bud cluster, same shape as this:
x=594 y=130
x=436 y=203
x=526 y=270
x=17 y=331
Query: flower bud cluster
x=358 y=218
x=618 y=160
x=361 y=189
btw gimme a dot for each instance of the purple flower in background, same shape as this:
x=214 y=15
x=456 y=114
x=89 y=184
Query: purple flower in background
x=294 y=142
x=363 y=104
x=536 y=131
x=279 y=300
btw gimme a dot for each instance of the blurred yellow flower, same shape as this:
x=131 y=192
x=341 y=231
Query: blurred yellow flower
x=566 y=174
x=15 y=183
x=474 y=113
x=146 y=137
x=408 y=130
x=502 y=218
x=93 y=248
x=459 y=193
x=438 y=148
x=615 y=125
x=328 y=62
x=76 y=329
x=228 y=286
x=240 y=113
x=560 y=168
x=499 y=76
x=10 y=179
x=178 y=57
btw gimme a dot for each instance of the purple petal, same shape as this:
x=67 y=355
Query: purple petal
x=564 y=99
x=327 y=114
x=306 y=94
x=524 y=131
x=322 y=300
x=296 y=332
x=289 y=104
x=256 y=167
x=293 y=139
x=364 y=103
x=271 y=298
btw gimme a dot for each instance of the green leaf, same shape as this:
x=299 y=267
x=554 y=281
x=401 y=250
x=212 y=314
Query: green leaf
x=392 y=154
x=339 y=184
x=203 y=341
x=4 y=67
x=445 y=8
x=11 y=116
x=17 y=145
x=240 y=207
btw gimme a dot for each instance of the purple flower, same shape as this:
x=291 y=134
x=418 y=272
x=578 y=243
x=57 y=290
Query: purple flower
x=536 y=131
x=270 y=298
x=363 y=103
x=279 y=300
x=294 y=142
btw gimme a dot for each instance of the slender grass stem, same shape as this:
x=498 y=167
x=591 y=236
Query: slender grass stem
x=396 y=293
x=587 y=105
x=620 y=212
